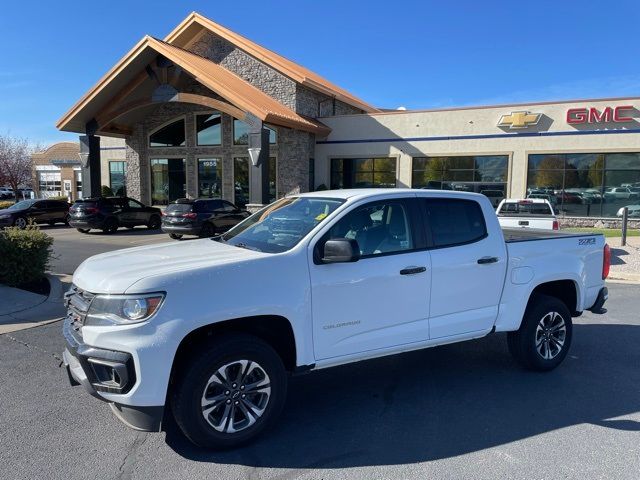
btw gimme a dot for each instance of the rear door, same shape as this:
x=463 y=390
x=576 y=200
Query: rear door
x=137 y=212
x=381 y=300
x=38 y=212
x=467 y=266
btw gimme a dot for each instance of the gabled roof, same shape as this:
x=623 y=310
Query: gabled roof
x=194 y=23
x=225 y=83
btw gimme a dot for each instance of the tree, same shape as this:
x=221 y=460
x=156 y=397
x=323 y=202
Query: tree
x=16 y=166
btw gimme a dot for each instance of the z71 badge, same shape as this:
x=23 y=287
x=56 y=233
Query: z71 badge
x=586 y=241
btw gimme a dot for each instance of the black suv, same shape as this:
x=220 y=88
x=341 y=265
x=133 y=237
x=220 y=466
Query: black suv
x=110 y=213
x=203 y=217
x=35 y=211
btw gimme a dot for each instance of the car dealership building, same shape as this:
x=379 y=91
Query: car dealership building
x=206 y=112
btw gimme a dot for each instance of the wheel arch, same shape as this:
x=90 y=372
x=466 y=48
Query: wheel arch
x=565 y=290
x=275 y=330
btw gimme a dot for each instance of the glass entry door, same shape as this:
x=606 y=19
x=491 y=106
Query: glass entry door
x=168 y=180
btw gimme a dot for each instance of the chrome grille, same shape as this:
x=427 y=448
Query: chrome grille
x=77 y=302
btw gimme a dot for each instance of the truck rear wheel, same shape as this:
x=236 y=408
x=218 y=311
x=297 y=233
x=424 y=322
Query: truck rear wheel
x=230 y=392
x=544 y=338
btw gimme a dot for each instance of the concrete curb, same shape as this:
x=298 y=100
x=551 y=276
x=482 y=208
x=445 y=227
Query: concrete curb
x=51 y=310
x=624 y=277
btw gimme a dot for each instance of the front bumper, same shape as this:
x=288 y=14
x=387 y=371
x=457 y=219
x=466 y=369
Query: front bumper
x=109 y=371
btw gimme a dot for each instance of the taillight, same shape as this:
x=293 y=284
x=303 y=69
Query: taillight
x=606 y=261
x=90 y=210
x=555 y=225
x=190 y=215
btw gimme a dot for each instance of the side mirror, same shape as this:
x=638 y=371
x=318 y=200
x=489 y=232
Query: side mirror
x=341 y=250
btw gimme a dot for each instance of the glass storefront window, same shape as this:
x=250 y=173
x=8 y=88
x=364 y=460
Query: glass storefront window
x=486 y=174
x=168 y=180
x=171 y=135
x=78 y=179
x=363 y=172
x=117 y=178
x=241 y=181
x=208 y=129
x=209 y=177
x=273 y=186
x=241 y=133
x=586 y=184
x=49 y=183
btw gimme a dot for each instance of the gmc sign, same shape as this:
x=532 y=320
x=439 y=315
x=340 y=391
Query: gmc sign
x=592 y=115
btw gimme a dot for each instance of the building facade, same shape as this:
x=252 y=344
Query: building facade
x=208 y=113
x=583 y=155
x=56 y=171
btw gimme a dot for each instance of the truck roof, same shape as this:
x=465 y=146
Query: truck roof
x=352 y=193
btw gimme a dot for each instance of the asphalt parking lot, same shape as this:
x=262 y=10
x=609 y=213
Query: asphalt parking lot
x=458 y=411
x=71 y=248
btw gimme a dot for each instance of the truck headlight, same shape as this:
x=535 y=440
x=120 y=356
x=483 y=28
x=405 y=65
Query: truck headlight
x=123 y=309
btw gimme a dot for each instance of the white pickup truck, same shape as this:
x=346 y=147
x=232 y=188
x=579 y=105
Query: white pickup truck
x=209 y=330
x=527 y=213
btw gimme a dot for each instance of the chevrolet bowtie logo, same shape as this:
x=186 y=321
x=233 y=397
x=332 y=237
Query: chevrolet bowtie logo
x=519 y=119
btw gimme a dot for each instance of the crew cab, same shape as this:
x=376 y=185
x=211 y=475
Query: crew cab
x=527 y=213
x=209 y=330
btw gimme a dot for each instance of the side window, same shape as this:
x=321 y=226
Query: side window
x=228 y=207
x=214 y=205
x=454 y=221
x=378 y=228
x=133 y=204
x=39 y=205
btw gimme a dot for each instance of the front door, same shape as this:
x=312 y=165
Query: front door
x=467 y=267
x=380 y=301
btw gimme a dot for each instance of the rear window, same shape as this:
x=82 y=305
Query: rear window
x=516 y=208
x=179 y=207
x=454 y=221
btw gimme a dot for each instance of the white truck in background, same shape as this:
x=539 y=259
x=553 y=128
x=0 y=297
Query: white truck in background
x=209 y=331
x=527 y=213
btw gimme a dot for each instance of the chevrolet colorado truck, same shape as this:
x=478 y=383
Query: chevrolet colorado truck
x=209 y=330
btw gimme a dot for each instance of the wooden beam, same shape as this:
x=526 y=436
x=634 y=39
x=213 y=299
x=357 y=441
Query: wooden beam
x=105 y=120
x=123 y=93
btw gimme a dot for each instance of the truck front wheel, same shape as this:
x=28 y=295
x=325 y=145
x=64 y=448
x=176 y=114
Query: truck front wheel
x=544 y=337
x=229 y=392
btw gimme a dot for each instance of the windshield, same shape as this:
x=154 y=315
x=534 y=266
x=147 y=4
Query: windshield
x=179 y=207
x=281 y=225
x=21 y=205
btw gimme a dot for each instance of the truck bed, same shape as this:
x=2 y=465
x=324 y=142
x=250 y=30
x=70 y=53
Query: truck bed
x=512 y=235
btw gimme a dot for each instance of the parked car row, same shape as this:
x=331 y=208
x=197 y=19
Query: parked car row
x=7 y=193
x=584 y=196
x=199 y=217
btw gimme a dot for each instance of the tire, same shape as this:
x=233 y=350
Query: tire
x=207 y=230
x=154 y=222
x=229 y=354
x=51 y=223
x=66 y=220
x=175 y=236
x=83 y=230
x=544 y=338
x=110 y=225
x=21 y=223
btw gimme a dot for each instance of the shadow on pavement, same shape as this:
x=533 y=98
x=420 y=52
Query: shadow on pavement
x=443 y=402
x=616 y=253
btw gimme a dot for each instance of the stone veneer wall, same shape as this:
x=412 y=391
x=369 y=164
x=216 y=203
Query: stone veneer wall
x=596 y=222
x=293 y=149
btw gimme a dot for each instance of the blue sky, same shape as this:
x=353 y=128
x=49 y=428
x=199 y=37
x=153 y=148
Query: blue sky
x=417 y=54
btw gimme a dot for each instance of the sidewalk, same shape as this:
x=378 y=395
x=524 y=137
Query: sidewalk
x=625 y=261
x=20 y=309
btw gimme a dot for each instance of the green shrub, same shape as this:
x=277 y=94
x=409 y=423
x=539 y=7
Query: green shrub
x=24 y=255
x=6 y=204
x=106 y=191
x=60 y=197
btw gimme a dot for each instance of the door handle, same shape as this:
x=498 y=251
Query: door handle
x=485 y=260
x=412 y=270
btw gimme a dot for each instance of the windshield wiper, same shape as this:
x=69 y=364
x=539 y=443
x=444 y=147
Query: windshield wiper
x=247 y=247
